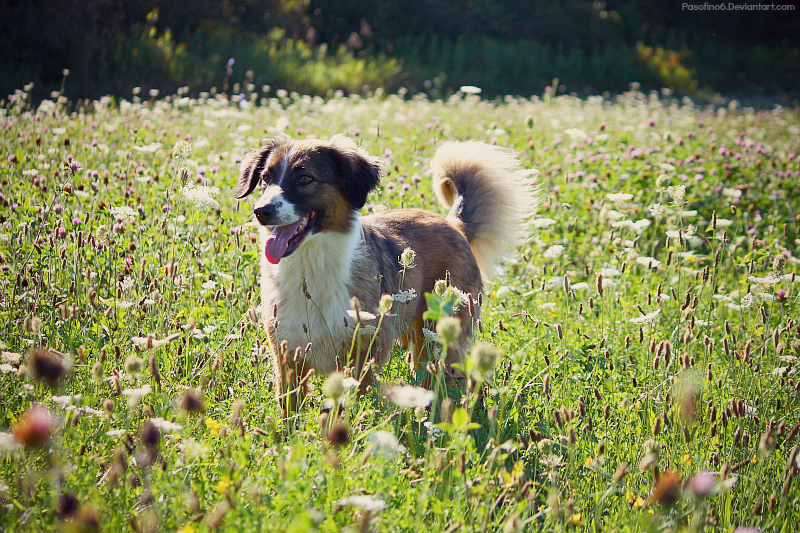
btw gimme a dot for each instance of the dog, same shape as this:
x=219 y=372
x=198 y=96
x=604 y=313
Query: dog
x=319 y=253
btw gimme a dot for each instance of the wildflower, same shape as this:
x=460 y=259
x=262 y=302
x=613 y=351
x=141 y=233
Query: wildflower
x=124 y=212
x=648 y=262
x=575 y=133
x=165 y=425
x=386 y=441
x=224 y=483
x=747 y=301
x=10 y=357
x=202 y=196
x=405 y=296
x=350 y=383
x=360 y=315
x=470 y=89
x=127 y=283
x=150 y=435
x=212 y=425
x=702 y=484
x=407 y=258
x=193 y=449
x=148 y=148
x=188 y=528
x=209 y=285
x=182 y=149
x=385 y=305
x=134 y=395
x=657 y=210
x=766 y=281
x=543 y=222
x=339 y=434
x=101 y=233
x=677 y=192
x=192 y=402
x=619 y=196
x=686 y=459
x=183 y=176
x=667 y=491
x=48 y=366
x=35 y=428
x=8 y=443
x=333 y=386
x=484 y=357
x=448 y=328
x=133 y=364
x=409 y=396
x=575 y=519
x=554 y=252
x=364 y=502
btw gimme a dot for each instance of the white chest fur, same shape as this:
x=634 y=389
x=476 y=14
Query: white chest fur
x=324 y=261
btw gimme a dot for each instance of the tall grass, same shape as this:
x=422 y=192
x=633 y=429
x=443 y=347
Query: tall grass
x=647 y=335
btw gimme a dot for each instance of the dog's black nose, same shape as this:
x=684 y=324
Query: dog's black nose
x=265 y=213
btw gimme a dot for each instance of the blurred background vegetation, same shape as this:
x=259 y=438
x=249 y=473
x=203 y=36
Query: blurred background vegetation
x=318 y=46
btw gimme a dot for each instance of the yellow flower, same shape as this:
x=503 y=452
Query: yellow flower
x=639 y=503
x=575 y=519
x=588 y=462
x=213 y=426
x=754 y=460
x=188 y=528
x=629 y=496
x=651 y=511
x=687 y=459
x=224 y=483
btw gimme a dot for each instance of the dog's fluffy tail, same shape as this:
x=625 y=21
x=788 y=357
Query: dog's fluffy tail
x=489 y=198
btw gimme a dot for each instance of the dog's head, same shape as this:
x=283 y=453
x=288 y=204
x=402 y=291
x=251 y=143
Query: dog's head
x=306 y=187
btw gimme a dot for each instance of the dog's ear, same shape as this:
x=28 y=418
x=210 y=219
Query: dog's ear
x=359 y=171
x=252 y=166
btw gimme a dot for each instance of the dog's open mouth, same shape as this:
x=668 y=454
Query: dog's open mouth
x=284 y=240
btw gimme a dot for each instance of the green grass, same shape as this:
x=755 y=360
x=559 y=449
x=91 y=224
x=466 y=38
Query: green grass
x=584 y=409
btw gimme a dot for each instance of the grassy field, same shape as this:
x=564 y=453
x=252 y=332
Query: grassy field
x=647 y=330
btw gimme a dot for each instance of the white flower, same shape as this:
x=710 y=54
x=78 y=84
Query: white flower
x=575 y=133
x=7 y=369
x=619 y=196
x=59 y=131
x=657 y=210
x=182 y=149
x=405 y=296
x=148 y=148
x=667 y=167
x=209 y=285
x=547 y=306
x=648 y=262
x=115 y=432
x=767 y=281
x=553 y=252
x=543 y=222
x=93 y=412
x=360 y=315
x=365 y=503
x=201 y=195
x=580 y=286
x=350 y=383
x=63 y=401
x=10 y=357
x=124 y=212
x=165 y=425
x=723 y=222
x=747 y=301
x=430 y=336
x=8 y=443
x=731 y=193
x=677 y=193
x=193 y=449
x=609 y=272
x=470 y=89
x=31 y=172
x=127 y=283
x=134 y=395
x=386 y=441
x=646 y=319
x=367 y=330
x=409 y=396
x=124 y=304
x=151 y=342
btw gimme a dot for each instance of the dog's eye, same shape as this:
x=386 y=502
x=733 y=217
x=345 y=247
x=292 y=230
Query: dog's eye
x=305 y=180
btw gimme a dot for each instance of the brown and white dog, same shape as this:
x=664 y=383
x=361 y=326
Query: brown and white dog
x=319 y=253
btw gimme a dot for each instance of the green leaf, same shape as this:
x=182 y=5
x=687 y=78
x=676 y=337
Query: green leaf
x=460 y=418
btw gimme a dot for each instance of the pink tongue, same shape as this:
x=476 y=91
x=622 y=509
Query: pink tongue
x=278 y=241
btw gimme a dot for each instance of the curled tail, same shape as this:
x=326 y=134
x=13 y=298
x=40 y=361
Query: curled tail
x=489 y=198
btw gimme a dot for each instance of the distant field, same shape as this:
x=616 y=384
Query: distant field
x=648 y=329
